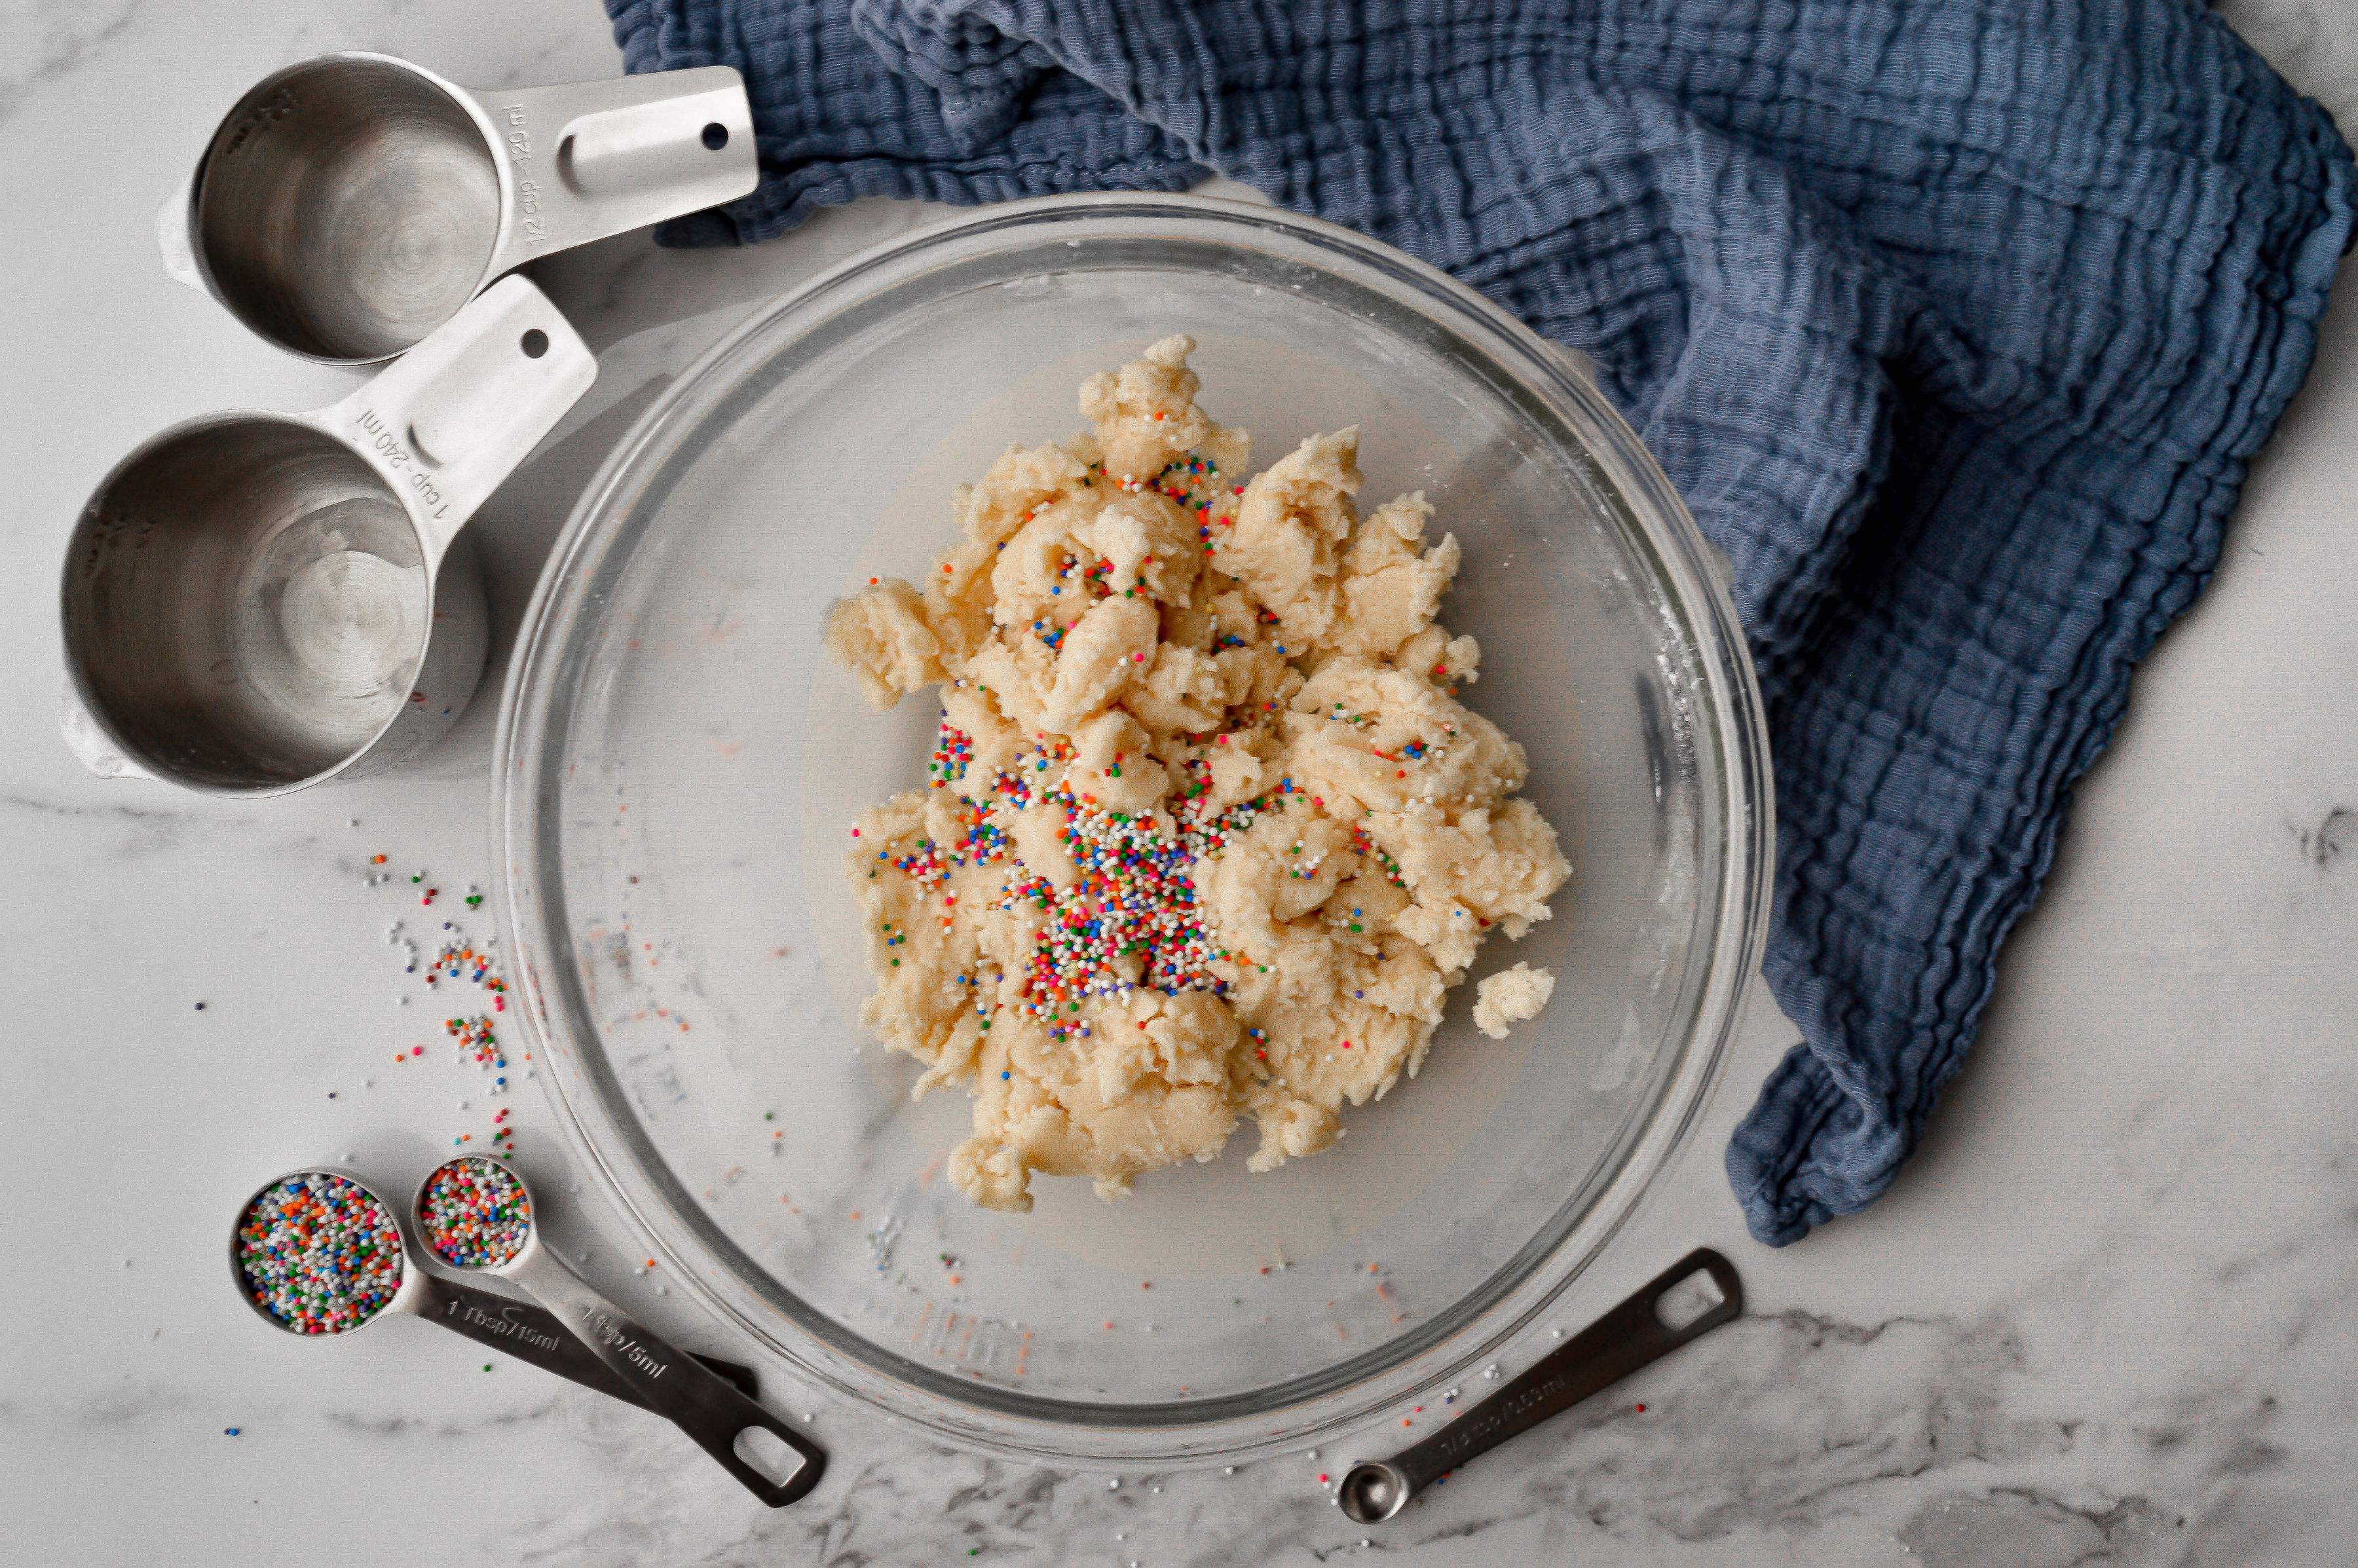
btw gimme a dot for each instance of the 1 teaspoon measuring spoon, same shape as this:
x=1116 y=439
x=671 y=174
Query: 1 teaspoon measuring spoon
x=317 y=1254
x=1683 y=1303
x=477 y=1212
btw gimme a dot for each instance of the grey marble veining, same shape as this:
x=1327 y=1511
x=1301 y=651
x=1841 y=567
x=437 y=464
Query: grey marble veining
x=2109 y=1315
x=43 y=40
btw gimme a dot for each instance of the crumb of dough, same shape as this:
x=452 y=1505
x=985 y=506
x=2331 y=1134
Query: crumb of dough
x=1206 y=835
x=1510 y=996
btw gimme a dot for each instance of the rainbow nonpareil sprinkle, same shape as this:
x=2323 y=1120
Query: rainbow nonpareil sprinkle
x=319 y=1253
x=1135 y=893
x=460 y=960
x=474 y=1214
x=479 y=1044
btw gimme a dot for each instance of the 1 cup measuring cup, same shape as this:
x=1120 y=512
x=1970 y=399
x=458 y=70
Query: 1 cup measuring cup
x=255 y=603
x=349 y=205
x=315 y=1253
x=477 y=1212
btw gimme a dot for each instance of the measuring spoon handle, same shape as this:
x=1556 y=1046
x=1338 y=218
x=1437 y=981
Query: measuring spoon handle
x=671 y=1385
x=1630 y=1337
x=533 y=1334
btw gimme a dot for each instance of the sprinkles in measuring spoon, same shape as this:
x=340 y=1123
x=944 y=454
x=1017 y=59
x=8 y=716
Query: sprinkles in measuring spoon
x=474 y=1214
x=319 y=1253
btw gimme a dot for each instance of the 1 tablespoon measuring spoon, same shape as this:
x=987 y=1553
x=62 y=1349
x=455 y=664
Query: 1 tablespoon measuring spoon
x=478 y=1213
x=1675 y=1308
x=517 y=1328
x=255 y=603
x=349 y=204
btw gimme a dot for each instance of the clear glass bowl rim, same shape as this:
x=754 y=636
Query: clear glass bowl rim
x=1729 y=732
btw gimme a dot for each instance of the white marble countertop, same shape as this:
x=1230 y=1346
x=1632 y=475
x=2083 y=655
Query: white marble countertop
x=2110 y=1314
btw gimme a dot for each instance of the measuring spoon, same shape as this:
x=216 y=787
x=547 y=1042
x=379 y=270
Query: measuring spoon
x=506 y=1242
x=522 y=1330
x=1683 y=1303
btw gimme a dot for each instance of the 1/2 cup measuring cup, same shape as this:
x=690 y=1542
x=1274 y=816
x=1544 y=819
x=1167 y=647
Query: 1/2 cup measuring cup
x=365 y=1224
x=255 y=603
x=349 y=205
x=477 y=1212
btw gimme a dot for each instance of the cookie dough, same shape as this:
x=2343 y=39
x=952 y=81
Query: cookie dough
x=1510 y=996
x=1206 y=835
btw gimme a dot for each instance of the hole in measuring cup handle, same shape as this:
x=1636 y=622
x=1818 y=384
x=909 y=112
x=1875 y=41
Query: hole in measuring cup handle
x=716 y=135
x=534 y=343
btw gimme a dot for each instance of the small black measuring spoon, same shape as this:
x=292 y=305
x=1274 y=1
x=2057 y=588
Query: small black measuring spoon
x=1676 y=1308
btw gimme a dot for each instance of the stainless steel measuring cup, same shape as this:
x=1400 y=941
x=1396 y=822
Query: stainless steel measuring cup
x=721 y=1420
x=518 y=1328
x=1680 y=1304
x=351 y=204
x=254 y=602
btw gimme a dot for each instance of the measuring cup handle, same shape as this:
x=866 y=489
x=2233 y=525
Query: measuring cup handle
x=533 y=1334
x=593 y=159
x=448 y=421
x=1631 y=1336
x=668 y=1383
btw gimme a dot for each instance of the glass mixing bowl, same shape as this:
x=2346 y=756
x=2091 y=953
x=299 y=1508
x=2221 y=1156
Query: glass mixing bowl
x=680 y=763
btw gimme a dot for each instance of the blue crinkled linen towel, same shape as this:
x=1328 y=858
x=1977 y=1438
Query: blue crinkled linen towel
x=1955 y=321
